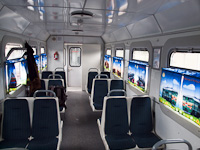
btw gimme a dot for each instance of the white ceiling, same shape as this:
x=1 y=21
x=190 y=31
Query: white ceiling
x=114 y=20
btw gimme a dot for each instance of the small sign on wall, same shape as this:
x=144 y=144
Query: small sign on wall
x=156 y=57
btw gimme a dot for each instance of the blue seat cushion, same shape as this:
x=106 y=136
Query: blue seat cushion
x=141 y=121
x=45 y=119
x=118 y=142
x=116 y=117
x=145 y=140
x=91 y=76
x=13 y=143
x=43 y=144
x=16 y=120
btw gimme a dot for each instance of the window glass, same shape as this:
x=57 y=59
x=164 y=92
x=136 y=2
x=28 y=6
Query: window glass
x=34 y=50
x=42 y=51
x=120 y=53
x=108 y=52
x=141 y=55
x=185 y=60
x=75 y=57
x=15 y=54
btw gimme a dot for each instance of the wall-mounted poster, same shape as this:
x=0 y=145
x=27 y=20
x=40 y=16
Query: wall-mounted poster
x=156 y=58
x=180 y=90
x=138 y=75
x=107 y=62
x=43 y=62
x=118 y=66
x=16 y=73
x=37 y=61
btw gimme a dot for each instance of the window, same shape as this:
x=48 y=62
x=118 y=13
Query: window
x=42 y=51
x=120 y=53
x=141 y=55
x=185 y=60
x=34 y=50
x=15 y=54
x=108 y=52
x=75 y=57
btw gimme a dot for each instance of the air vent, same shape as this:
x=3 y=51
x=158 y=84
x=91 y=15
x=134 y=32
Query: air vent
x=82 y=14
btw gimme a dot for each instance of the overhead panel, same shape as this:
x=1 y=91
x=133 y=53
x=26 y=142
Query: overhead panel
x=144 y=6
x=19 y=2
x=53 y=3
x=32 y=30
x=184 y=16
x=11 y=21
x=1 y=5
x=31 y=14
x=54 y=14
x=43 y=35
x=122 y=34
x=145 y=27
x=169 y=4
x=108 y=38
x=95 y=4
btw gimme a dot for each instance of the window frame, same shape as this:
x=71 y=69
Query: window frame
x=70 y=55
x=110 y=51
x=119 y=49
x=139 y=49
x=181 y=50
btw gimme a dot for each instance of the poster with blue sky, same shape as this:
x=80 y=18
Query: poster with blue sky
x=118 y=66
x=43 y=62
x=180 y=90
x=138 y=75
x=107 y=62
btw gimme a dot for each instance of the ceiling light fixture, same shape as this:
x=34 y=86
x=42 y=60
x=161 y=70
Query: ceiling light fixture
x=82 y=14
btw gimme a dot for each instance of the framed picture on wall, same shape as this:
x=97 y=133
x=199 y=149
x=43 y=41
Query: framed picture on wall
x=156 y=57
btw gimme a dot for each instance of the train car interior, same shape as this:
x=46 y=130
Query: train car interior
x=99 y=74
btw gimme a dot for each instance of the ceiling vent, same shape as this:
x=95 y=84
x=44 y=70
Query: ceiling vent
x=82 y=14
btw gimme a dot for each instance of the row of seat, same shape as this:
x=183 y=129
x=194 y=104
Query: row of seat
x=126 y=123
x=100 y=89
x=56 y=74
x=92 y=73
x=32 y=123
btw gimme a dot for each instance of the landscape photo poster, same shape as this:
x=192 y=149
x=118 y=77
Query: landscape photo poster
x=107 y=62
x=118 y=66
x=180 y=90
x=138 y=75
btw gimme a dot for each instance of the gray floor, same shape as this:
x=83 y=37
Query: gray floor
x=80 y=130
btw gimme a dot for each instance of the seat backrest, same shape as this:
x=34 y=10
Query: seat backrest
x=55 y=82
x=45 y=74
x=116 y=116
x=45 y=119
x=106 y=73
x=100 y=91
x=43 y=87
x=16 y=119
x=115 y=85
x=62 y=73
x=141 y=115
x=91 y=76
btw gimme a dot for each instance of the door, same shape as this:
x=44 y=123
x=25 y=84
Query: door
x=74 y=68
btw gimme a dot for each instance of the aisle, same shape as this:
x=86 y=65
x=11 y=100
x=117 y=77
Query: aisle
x=80 y=130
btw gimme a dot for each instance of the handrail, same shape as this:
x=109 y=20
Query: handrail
x=41 y=91
x=60 y=68
x=117 y=90
x=171 y=141
x=99 y=75
x=54 y=75
x=93 y=68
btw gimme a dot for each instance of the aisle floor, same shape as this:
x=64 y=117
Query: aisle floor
x=80 y=129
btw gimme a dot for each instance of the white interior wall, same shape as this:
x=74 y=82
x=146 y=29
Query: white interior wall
x=166 y=127
x=91 y=58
